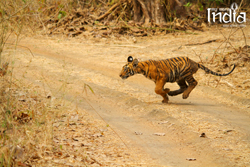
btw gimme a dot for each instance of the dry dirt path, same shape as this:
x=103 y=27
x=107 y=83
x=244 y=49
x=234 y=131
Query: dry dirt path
x=131 y=105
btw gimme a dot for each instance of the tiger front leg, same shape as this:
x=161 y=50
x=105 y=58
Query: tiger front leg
x=163 y=92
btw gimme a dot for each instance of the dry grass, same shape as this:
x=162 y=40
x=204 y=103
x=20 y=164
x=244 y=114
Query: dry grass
x=26 y=123
x=227 y=54
x=26 y=114
x=29 y=133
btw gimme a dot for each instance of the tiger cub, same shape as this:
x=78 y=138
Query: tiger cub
x=178 y=69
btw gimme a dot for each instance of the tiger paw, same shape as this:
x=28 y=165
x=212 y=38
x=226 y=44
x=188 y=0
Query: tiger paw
x=185 y=95
x=164 y=101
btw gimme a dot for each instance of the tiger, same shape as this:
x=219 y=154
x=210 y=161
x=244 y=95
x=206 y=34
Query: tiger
x=177 y=69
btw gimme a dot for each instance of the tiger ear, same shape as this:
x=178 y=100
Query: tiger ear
x=130 y=59
x=135 y=62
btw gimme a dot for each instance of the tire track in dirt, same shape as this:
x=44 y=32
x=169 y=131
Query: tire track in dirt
x=132 y=105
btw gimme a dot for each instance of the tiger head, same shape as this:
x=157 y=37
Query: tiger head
x=130 y=68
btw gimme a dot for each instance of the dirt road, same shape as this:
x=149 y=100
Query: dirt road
x=131 y=105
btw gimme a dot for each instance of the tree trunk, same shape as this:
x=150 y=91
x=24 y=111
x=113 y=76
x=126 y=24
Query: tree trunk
x=160 y=14
x=137 y=11
x=155 y=11
x=145 y=11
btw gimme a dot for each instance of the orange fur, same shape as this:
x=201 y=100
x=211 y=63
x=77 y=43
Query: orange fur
x=179 y=69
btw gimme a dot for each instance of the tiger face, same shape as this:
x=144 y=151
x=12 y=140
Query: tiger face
x=129 y=69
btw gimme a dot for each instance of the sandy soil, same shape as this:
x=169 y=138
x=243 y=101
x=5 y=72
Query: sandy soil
x=223 y=113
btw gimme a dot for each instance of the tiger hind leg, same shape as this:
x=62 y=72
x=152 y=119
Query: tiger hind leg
x=183 y=87
x=191 y=85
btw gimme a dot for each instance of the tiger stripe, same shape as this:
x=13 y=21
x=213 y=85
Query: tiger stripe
x=178 y=69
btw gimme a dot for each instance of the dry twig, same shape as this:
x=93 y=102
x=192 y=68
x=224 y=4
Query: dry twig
x=198 y=56
x=108 y=12
x=201 y=43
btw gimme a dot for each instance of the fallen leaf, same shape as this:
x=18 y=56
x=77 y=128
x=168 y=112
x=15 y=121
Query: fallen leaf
x=138 y=133
x=159 y=134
